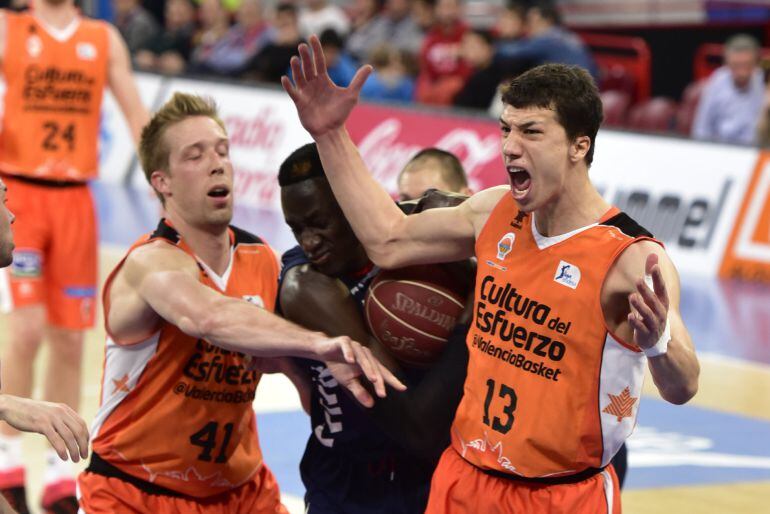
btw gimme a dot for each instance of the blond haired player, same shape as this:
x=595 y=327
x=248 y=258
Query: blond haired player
x=564 y=321
x=56 y=65
x=175 y=431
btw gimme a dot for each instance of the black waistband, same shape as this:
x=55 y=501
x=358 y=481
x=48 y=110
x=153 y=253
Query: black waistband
x=100 y=466
x=43 y=181
x=560 y=480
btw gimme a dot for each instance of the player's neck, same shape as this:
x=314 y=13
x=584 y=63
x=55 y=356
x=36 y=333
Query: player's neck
x=210 y=244
x=578 y=205
x=57 y=16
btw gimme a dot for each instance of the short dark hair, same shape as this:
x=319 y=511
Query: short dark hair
x=451 y=168
x=304 y=163
x=286 y=7
x=548 y=10
x=330 y=37
x=485 y=35
x=569 y=91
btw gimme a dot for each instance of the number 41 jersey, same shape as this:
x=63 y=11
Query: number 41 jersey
x=549 y=391
x=54 y=86
x=176 y=411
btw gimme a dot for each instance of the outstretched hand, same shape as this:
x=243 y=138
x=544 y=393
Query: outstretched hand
x=65 y=430
x=348 y=361
x=649 y=307
x=322 y=106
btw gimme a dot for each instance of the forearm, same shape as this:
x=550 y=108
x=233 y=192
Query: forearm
x=675 y=373
x=239 y=326
x=367 y=206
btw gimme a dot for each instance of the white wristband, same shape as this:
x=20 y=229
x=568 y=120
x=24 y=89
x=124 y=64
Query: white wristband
x=661 y=346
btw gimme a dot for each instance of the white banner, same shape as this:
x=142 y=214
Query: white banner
x=686 y=193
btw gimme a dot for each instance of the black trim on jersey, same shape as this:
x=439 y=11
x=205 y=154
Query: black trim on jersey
x=243 y=237
x=627 y=225
x=101 y=467
x=166 y=231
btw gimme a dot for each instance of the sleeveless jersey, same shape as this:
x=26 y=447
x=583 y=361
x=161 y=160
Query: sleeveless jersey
x=53 y=98
x=176 y=411
x=549 y=391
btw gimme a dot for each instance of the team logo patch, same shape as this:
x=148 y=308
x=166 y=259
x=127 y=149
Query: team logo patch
x=27 y=264
x=86 y=51
x=255 y=300
x=505 y=245
x=567 y=274
x=34 y=45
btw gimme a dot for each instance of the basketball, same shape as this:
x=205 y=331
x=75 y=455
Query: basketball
x=411 y=311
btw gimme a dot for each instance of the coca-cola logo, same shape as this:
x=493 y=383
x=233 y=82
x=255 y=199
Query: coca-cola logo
x=386 y=151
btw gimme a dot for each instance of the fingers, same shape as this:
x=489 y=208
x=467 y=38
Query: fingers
x=651 y=261
x=391 y=379
x=56 y=440
x=644 y=313
x=359 y=393
x=370 y=367
x=359 y=78
x=650 y=299
x=79 y=430
x=318 y=54
x=640 y=329
x=297 y=73
x=289 y=88
x=306 y=59
x=659 y=285
x=69 y=438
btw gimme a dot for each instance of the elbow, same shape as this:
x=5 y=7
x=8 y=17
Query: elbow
x=681 y=394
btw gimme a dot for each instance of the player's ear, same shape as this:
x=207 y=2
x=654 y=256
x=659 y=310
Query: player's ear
x=579 y=148
x=159 y=181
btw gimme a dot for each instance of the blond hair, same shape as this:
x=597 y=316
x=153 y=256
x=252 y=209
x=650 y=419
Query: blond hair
x=153 y=151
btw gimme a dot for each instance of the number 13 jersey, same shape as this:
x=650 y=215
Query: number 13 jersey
x=54 y=85
x=549 y=391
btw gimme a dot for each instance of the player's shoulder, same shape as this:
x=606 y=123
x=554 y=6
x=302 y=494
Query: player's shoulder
x=630 y=264
x=159 y=255
x=244 y=237
x=486 y=199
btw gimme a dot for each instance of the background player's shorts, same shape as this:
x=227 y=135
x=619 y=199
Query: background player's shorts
x=54 y=263
x=99 y=494
x=460 y=488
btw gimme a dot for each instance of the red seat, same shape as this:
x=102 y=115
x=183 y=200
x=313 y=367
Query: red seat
x=615 y=105
x=656 y=115
x=686 y=112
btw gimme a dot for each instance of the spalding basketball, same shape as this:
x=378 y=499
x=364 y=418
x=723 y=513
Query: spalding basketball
x=411 y=311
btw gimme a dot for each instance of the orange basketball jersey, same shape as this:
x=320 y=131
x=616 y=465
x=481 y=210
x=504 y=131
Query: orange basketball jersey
x=549 y=390
x=176 y=411
x=54 y=85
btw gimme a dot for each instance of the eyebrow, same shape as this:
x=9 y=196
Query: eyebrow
x=200 y=144
x=525 y=125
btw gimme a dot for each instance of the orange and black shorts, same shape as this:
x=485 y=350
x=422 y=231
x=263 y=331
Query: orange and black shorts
x=55 y=261
x=458 y=487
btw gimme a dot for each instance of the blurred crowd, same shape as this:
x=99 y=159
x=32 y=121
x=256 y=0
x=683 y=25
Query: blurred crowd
x=422 y=50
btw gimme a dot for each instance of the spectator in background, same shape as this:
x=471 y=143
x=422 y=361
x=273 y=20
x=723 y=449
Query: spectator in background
x=339 y=64
x=510 y=26
x=763 y=126
x=477 y=50
x=230 y=54
x=424 y=14
x=363 y=14
x=548 y=41
x=273 y=60
x=319 y=15
x=214 y=23
x=733 y=97
x=390 y=79
x=395 y=26
x=168 y=51
x=442 y=70
x=135 y=23
x=432 y=168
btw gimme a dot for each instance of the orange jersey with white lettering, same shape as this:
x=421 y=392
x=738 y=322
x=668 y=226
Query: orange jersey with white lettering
x=54 y=84
x=176 y=411
x=549 y=391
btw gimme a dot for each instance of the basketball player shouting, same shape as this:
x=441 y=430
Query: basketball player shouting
x=564 y=318
x=175 y=431
x=56 y=65
x=357 y=461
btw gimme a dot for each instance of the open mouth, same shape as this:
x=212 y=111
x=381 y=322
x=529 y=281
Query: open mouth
x=520 y=180
x=219 y=192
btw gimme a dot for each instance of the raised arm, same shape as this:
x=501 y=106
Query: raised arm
x=652 y=319
x=159 y=281
x=391 y=239
x=122 y=84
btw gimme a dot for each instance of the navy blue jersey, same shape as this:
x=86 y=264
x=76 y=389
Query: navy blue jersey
x=349 y=464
